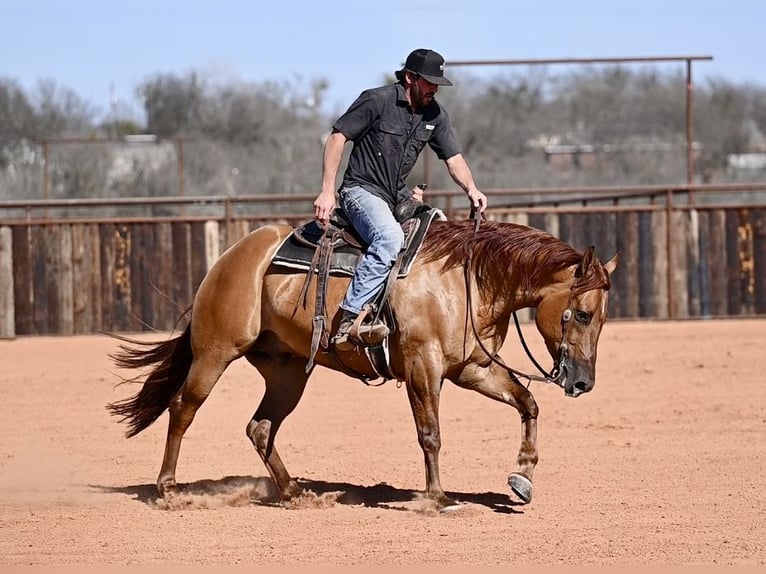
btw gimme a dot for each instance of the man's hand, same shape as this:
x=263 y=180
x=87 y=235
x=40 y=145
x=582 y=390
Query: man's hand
x=417 y=192
x=324 y=205
x=478 y=199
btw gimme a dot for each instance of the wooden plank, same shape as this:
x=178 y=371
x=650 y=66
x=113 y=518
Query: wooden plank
x=646 y=265
x=123 y=296
x=552 y=224
x=107 y=257
x=93 y=285
x=576 y=224
x=677 y=289
x=592 y=227
x=678 y=266
x=135 y=276
x=703 y=264
x=626 y=280
x=182 y=288
x=7 y=306
x=65 y=287
x=116 y=245
x=718 y=263
x=81 y=304
x=39 y=281
x=520 y=218
x=759 y=260
x=212 y=244
x=198 y=254
x=692 y=263
x=660 y=308
x=86 y=279
x=537 y=220
x=22 y=279
x=746 y=273
x=236 y=231
x=566 y=229
x=605 y=241
x=52 y=293
x=165 y=309
x=618 y=296
x=138 y=278
x=733 y=295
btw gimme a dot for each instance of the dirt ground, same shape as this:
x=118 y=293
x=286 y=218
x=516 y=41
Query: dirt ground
x=662 y=463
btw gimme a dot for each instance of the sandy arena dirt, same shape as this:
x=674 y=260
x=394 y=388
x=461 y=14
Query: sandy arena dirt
x=662 y=463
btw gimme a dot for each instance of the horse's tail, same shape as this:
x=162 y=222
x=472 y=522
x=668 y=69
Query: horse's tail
x=172 y=360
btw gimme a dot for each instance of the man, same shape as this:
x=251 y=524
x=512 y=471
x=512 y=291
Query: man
x=389 y=127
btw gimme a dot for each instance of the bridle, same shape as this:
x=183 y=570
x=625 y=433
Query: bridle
x=557 y=375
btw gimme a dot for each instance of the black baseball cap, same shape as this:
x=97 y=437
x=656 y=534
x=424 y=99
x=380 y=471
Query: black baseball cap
x=426 y=63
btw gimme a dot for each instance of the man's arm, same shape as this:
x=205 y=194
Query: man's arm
x=461 y=174
x=324 y=204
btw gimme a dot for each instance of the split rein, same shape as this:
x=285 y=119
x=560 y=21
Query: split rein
x=558 y=371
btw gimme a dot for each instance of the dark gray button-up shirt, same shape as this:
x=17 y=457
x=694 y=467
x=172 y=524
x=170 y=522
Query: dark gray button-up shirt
x=388 y=139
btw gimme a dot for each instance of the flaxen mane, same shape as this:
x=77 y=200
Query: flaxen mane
x=505 y=252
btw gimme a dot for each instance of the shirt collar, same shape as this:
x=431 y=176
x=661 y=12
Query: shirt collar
x=401 y=99
x=401 y=96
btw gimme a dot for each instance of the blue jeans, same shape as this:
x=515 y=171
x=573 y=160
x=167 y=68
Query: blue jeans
x=375 y=223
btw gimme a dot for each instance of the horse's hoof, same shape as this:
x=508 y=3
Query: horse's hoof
x=444 y=504
x=450 y=508
x=292 y=491
x=521 y=487
x=167 y=488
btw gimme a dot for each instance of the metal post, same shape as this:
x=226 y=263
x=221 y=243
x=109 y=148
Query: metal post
x=180 y=156
x=180 y=172
x=45 y=169
x=689 y=131
x=669 y=250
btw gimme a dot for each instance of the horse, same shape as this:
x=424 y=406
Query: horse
x=451 y=315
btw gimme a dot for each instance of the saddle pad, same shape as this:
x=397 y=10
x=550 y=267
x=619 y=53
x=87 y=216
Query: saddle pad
x=295 y=253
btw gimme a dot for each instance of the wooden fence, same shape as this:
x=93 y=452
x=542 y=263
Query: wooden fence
x=83 y=275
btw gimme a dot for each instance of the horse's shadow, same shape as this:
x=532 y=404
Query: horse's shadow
x=242 y=490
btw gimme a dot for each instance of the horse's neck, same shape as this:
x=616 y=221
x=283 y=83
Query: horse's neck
x=500 y=309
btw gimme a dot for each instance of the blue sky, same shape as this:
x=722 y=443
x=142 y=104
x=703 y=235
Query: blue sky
x=99 y=47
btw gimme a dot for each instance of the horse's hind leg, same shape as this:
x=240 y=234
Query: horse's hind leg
x=203 y=375
x=285 y=380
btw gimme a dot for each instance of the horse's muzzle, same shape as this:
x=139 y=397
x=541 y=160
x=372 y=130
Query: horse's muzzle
x=568 y=377
x=576 y=389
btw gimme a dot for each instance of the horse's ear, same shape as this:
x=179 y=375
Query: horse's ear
x=586 y=262
x=611 y=265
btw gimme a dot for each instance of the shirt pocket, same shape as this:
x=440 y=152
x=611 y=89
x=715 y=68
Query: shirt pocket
x=392 y=138
x=415 y=146
x=420 y=138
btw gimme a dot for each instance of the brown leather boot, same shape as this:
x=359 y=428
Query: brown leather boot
x=341 y=337
x=347 y=337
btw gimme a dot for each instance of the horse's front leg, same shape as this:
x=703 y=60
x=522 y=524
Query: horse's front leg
x=423 y=389
x=496 y=383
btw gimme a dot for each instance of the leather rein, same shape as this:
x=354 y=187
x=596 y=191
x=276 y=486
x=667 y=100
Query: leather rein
x=558 y=374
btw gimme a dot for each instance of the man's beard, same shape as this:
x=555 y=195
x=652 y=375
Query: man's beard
x=421 y=99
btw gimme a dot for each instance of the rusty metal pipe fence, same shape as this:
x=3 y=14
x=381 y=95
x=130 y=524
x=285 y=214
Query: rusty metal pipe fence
x=132 y=264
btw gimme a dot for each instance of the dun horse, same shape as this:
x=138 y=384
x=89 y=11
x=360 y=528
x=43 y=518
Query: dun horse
x=451 y=316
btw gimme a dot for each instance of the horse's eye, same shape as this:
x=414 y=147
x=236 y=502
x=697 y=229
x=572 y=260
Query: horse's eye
x=583 y=317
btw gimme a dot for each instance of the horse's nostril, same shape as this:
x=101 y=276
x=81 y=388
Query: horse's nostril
x=581 y=387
